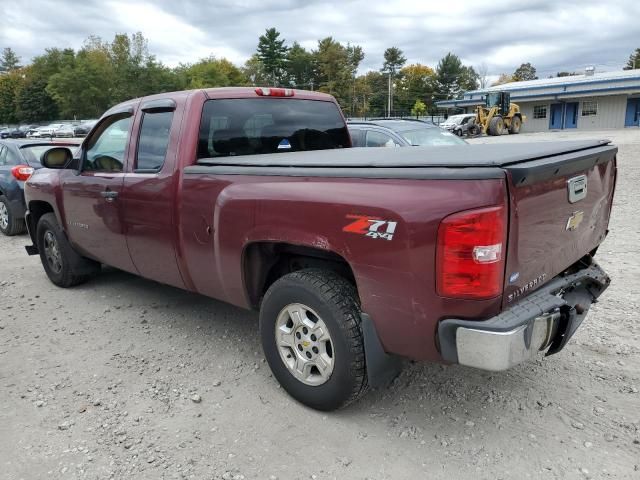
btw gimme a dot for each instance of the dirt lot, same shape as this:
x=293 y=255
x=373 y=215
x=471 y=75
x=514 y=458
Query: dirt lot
x=125 y=378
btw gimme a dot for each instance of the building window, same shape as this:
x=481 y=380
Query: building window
x=539 y=111
x=589 y=108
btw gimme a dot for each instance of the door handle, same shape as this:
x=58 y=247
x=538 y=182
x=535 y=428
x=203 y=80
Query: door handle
x=109 y=195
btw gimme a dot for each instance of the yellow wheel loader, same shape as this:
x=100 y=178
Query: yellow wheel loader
x=499 y=114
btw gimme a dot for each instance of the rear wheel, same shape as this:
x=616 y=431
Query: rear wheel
x=312 y=338
x=63 y=265
x=516 y=123
x=496 y=126
x=9 y=223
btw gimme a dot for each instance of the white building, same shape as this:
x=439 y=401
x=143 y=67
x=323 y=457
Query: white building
x=591 y=101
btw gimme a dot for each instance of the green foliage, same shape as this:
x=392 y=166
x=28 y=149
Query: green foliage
x=33 y=102
x=9 y=61
x=211 y=72
x=419 y=108
x=393 y=60
x=634 y=61
x=272 y=52
x=453 y=78
x=524 y=72
x=301 y=69
x=414 y=82
x=9 y=86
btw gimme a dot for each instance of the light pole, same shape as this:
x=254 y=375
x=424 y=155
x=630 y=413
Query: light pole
x=389 y=99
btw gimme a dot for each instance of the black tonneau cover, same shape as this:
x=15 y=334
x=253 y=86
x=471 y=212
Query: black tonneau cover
x=453 y=156
x=527 y=162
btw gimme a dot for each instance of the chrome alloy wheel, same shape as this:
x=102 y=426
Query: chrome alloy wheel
x=304 y=344
x=4 y=216
x=52 y=252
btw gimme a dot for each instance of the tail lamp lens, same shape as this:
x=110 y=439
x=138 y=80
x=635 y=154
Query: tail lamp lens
x=22 y=172
x=470 y=254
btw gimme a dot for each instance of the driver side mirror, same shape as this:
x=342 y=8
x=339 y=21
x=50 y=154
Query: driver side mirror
x=59 y=158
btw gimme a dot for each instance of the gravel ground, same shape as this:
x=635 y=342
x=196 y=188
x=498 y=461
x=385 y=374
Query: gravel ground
x=126 y=378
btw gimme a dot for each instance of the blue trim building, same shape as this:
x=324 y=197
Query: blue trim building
x=591 y=101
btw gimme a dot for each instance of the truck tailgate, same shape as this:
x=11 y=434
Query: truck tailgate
x=559 y=212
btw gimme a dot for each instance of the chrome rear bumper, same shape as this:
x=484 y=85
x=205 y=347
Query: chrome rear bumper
x=544 y=320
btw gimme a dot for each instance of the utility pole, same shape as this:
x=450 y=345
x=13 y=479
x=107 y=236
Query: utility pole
x=389 y=100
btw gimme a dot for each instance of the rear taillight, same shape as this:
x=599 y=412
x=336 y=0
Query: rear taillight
x=22 y=172
x=275 y=92
x=470 y=255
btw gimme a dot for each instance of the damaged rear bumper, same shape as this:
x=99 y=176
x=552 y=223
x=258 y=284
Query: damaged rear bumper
x=545 y=320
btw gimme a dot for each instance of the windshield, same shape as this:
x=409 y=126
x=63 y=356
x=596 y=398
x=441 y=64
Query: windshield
x=454 y=119
x=262 y=125
x=431 y=136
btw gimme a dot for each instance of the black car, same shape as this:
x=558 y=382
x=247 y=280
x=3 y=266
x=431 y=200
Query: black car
x=18 y=160
x=83 y=129
x=16 y=132
x=399 y=133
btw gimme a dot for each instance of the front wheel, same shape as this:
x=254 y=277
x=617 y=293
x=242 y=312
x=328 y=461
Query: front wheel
x=516 y=123
x=312 y=338
x=63 y=265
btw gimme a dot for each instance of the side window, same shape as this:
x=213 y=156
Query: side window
x=153 y=141
x=357 y=138
x=106 y=147
x=379 y=139
x=3 y=155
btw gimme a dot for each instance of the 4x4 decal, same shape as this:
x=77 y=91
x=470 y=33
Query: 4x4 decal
x=371 y=227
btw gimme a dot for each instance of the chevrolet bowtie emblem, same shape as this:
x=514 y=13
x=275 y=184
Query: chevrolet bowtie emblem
x=574 y=220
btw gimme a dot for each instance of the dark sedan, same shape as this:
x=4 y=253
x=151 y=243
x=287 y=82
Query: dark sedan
x=18 y=160
x=399 y=133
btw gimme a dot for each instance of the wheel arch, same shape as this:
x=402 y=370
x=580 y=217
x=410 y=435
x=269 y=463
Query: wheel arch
x=36 y=209
x=264 y=262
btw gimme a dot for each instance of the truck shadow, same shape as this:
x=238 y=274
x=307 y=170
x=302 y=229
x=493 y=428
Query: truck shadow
x=425 y=399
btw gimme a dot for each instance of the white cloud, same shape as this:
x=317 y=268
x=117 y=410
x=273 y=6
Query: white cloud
x=552 y=35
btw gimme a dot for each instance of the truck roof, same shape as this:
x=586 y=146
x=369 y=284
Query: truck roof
x=221 y=92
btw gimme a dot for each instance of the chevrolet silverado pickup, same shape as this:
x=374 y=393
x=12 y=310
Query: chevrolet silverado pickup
x=480 y=255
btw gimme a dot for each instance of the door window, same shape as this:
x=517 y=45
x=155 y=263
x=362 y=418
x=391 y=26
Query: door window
x=357 y=138
x=153 y=142
x=106 y=147
x=379 y=139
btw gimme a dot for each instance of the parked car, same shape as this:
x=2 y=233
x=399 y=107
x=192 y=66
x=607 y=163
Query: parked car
x=18 y=160
x=456 y=123
x=64 y=131
x=5 y=132
x=46 y=131
x=399 y=133
x=480 y=255
x=84 y=128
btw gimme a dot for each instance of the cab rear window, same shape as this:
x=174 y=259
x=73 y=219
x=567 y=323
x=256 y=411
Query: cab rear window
x=253 y=126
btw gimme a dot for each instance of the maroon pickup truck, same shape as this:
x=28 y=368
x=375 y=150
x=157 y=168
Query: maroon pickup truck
x=480 y=255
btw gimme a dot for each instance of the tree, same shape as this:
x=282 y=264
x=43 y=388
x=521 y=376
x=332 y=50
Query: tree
x=9 y=61
x=448 y=74
x=468 y=79
x=33 y=102
x=9 y=87
x=524 y=72
x=634 y=61
x=254 y=72
x=393 y=60
x=212 y=72
x=414 y=82
x=272 y=52
x=300 y=67
x=418 y=109
x=483 y=75
x=502 y=79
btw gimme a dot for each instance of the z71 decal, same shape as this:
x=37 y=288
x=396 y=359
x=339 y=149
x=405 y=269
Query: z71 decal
x=371 y=227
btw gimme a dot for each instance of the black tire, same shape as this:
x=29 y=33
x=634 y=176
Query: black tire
x=496 y=126
x=14 y=225
x=336 y=302
x=473 y=131
x=74 y=269
x=458 y=132
x=516 y=123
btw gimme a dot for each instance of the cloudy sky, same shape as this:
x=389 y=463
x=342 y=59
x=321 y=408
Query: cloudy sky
x=551 y=34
